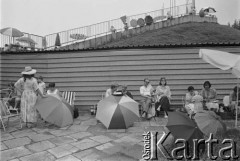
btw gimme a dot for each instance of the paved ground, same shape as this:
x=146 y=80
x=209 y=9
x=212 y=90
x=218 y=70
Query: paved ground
x=85 y=140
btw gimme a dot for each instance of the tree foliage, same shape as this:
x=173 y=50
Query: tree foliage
x=236 y=24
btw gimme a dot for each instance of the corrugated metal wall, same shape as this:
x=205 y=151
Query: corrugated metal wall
x=90 y=73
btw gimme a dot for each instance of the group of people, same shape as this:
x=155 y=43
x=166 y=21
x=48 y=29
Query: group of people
x=17 y=47
x=27 y=90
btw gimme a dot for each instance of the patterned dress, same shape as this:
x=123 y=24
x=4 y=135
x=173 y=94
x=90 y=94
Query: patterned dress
x=28 y=99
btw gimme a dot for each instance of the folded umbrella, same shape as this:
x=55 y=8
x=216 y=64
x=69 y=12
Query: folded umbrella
x=208 y=122
x=117 y=112
x=54 y=111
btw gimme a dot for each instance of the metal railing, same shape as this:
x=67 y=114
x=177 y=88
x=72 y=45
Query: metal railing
x=95 y=30
x=12 y=40
x=104 y=28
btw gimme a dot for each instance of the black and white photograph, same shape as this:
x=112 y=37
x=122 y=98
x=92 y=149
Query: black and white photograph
x=119 y=80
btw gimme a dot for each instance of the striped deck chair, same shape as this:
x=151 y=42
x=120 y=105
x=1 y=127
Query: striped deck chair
x=69 y=96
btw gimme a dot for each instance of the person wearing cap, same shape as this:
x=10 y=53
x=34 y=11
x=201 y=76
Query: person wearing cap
x=41 y=84
x=28 y=86
x=112 y=89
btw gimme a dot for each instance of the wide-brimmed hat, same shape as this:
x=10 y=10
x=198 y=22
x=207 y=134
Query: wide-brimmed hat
x=29 y=71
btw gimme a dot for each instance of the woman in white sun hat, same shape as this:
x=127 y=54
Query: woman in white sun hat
x=28 y=86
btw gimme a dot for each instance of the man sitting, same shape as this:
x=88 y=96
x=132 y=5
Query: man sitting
x=14 y=97
x=146 y=91
x=112 y=89
x=126 y=92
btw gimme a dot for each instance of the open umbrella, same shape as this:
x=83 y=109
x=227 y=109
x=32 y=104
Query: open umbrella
x=209 y=9
x=26 y=40
x=208 y=122
x=54 y=111
x=117 y=112
x=224 y=61
x=182 y=127
x=13 y=32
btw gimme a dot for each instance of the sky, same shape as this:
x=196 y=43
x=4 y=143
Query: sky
x=43 y=17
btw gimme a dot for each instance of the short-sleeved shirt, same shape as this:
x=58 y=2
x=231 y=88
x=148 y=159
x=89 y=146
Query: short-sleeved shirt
x=28 y=84
x=42 y=87
x=146 y=91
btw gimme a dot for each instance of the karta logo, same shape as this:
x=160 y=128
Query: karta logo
x=152 y=146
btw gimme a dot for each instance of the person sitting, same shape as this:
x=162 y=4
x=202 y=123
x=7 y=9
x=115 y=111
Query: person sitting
x=146 y=91
x=163 y=94
x=14 y=97
x=209 y=96
x=233 y=98
x=189 y=103
x=53 y=91
x=6 y=47
x=126 y=92
x=198 y=104
x=111 y=90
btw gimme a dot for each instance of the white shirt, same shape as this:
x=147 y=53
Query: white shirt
x=42 y=87
x=108 y=92
x=146 y=91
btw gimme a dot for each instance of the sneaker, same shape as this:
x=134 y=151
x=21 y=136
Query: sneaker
x=165 y=116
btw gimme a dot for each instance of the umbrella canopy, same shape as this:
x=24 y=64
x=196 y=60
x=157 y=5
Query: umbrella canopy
x=54 y=111
x=117 y=112
x=9 y=31
x=182 y=127
x=26 y=40
x=57 y=41
x=208 y=122
x=209 y=9
x=224 y=61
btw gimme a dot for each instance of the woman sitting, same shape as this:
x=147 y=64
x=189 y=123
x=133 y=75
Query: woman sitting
x=189 y=102
x=53 y=91
x=163 y=94
x=233 y=98
x=209 y=96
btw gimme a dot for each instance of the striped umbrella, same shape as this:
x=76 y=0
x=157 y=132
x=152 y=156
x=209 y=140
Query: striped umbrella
x=117 y=112
x=9 y=31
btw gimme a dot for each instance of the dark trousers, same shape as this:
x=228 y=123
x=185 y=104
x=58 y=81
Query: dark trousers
x=164 y=103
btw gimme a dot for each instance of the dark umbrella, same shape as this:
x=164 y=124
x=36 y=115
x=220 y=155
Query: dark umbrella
x=182 y=127
x=208 y=122
x=57 y=42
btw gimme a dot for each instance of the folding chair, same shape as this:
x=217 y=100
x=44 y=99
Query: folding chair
x=5 y=113
x=69 y=96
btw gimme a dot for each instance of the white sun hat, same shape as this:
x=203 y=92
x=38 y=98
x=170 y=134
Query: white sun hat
x=29 y=71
